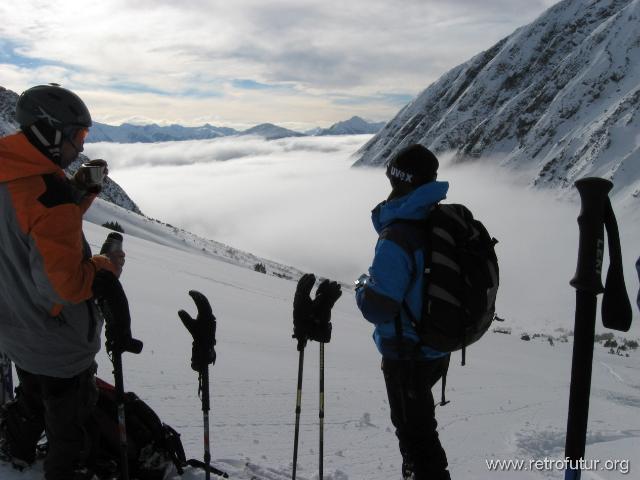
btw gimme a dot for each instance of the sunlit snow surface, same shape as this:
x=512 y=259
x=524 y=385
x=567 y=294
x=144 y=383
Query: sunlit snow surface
x=509 y=402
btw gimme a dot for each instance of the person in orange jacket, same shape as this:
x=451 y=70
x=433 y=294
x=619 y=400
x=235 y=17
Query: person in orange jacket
x=49 y=325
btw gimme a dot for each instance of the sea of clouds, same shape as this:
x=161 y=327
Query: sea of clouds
x=298 y=201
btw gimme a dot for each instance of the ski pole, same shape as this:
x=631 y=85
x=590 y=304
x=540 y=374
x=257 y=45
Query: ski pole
x=205 y=420
x=122 y=426
x=321 y=414
x=112 y=302
x=203 y=331
x=298 y=409
x=302 y=320
x=595 y=211
x=114 y=306
x=588 y=284
x=312 y=321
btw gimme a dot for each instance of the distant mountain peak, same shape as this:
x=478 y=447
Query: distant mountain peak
x=271 y=132
x=354 y=126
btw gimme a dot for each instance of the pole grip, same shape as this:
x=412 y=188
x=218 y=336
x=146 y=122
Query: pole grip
x=593 y=195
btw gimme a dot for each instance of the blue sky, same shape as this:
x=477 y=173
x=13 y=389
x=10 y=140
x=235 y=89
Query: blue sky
x=297 y=63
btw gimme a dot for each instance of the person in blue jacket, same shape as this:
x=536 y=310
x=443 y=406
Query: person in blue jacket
x=391 y=294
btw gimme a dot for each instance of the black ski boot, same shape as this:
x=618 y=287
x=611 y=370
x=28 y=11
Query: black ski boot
x=407 y=470
x=8 y=450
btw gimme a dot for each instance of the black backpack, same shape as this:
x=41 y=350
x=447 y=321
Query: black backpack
x=461 y=279
x=153 y=446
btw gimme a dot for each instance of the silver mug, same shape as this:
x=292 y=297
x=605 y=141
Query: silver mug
x=94 y=174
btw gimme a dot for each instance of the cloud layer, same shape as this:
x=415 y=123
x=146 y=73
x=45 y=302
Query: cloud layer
x=299 y=202
x=236 y=63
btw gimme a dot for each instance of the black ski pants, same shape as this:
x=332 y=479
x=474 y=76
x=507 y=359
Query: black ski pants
x=60 y=406
x=409 y=384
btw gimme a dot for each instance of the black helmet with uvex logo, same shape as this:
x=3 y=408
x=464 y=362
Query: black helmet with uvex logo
x=411 y=167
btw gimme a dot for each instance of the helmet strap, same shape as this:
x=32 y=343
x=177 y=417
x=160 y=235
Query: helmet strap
x=46 y=139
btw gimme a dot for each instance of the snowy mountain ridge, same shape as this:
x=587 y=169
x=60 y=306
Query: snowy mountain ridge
x=559 y=96
x=271 y=132
x=129 y=133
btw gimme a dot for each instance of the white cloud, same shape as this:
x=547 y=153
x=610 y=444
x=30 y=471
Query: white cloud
x=187 y=55
x=297 y=201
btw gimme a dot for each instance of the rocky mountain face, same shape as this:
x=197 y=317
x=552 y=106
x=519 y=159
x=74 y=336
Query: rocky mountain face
x=111 y=191
x=559 y=96
x=8 y=100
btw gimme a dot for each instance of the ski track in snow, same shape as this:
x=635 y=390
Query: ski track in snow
x=613 y=372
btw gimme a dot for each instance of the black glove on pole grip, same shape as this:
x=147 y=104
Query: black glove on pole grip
x=303 y=310
x=114 y=306
x=203 y=331
x=588 y=283
x=327 y=295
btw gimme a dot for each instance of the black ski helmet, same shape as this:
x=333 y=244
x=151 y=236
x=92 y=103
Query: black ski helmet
x=49 y=115
x=410 y=168
x=54 y=105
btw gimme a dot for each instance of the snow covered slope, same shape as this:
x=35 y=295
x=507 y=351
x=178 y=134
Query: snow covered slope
x=559 y=97
x=509 y=402
x=167 y=235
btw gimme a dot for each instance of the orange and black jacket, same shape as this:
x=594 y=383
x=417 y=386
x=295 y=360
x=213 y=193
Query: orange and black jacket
x=48 y=325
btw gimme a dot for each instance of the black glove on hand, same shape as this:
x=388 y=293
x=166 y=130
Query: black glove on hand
x=203 y=331
x=327 y=295
x=303 y=309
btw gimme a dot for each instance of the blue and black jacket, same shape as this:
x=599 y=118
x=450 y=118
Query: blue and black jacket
x=396 y=280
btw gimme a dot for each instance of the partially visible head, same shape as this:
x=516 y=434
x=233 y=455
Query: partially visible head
x=55 y=120
x=411 y=167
